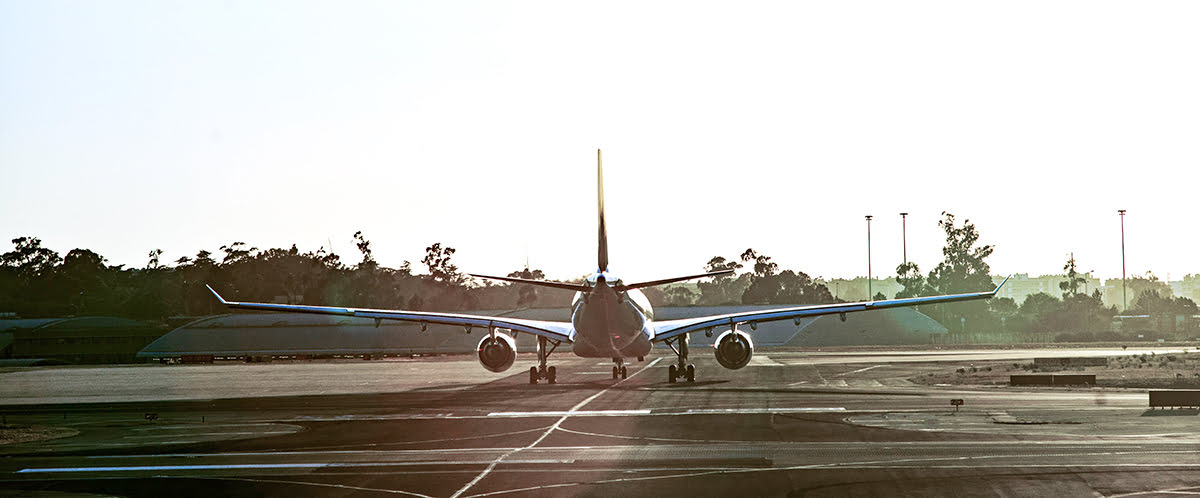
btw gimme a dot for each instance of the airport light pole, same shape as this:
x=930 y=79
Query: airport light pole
x=904 y=235
x=870 y=295
x=1124 y=296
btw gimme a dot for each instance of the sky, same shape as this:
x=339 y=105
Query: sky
x=131 y=126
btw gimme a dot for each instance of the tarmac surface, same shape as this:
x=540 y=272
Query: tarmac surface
x=791 y=423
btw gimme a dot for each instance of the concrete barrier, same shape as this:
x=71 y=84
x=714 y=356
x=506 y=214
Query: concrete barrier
x=1051 y=380
x=1074 y=380
x=1031 y=380
x=1176 y=398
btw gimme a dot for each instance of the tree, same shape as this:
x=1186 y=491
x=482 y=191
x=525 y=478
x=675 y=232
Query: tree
x=763 y=267
x=1070 y=287
x=237 y=252
x=364 y=246
x=437 y=261
x=527 y=294
x=679 y=296
x=963 y=270
x=909 y=275
x=29 y=258
x=153 y=263
x=723 y=289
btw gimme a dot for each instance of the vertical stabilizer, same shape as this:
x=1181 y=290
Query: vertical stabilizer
x=602 y=252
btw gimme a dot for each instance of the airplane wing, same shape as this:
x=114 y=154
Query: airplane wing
x=669 y=329
x=557 y=331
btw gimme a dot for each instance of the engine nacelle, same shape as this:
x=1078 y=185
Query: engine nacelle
x=733 y=349
x=497 y=354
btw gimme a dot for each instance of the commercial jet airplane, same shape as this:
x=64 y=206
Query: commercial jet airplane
x=611 y=319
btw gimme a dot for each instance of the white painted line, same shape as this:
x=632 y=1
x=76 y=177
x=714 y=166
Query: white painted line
x=579 y=413
x=552 y=428
x=859 y=370
x=160 y=468
x=805 y=409
x=178 y=467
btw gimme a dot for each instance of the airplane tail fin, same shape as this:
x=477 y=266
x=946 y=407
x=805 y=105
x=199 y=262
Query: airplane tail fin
x=602 y=241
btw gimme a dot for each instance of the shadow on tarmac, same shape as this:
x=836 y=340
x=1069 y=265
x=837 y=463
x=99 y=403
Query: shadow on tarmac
x=1171 y=413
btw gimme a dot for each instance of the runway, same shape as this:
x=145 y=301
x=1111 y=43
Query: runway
x=792 y=423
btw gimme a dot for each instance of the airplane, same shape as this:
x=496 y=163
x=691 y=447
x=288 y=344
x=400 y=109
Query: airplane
x=611 y=319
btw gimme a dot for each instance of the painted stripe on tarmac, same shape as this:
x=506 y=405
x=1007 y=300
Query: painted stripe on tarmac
x=160 y=468
x=751 y=411
x=566 y=413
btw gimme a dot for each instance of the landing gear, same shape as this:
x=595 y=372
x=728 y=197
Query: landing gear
x=682 y=369
x=542 y=371
x=619 y=370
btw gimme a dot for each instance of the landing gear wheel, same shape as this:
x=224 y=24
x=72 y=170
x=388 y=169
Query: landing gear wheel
x=690 y=371
x=551 y=374
x=533 y=375
x=616 y=372
x=624 y=372
x=671 y=374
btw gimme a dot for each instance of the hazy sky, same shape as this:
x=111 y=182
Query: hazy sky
x=129 y=126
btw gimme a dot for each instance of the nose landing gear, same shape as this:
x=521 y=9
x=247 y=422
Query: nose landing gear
x=619 y=371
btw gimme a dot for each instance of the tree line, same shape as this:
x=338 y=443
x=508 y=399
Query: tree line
x=35 y=281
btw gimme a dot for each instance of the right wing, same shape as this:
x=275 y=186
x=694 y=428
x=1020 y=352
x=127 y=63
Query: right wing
x=557 y=331
x=673 y=328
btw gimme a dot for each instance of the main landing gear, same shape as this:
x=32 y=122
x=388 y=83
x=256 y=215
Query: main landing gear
x=619 y=370
x=682 y=369
x=542 y=372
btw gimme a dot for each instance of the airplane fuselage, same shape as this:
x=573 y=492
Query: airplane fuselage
x=610 y=323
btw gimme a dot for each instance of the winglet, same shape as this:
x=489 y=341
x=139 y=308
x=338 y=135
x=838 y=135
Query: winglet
x=219 y=298
x=1001 y=285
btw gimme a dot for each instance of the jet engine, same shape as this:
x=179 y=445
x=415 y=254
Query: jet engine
x=498 y=352
x=733 y=349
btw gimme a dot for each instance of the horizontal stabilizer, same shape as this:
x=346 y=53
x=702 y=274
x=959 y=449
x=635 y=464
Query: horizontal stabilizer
x=543 y=283
x=652 y=283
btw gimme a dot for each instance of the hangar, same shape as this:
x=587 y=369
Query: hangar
x=264 y=335
x=88 y=339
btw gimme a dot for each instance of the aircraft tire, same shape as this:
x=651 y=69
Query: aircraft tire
x=691 y=372
x=533 y=375
x=671 y=374
x=624 y=373
x=552 y=373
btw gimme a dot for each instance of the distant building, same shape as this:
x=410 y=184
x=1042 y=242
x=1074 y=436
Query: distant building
x=1021 y=285
x=92 y=339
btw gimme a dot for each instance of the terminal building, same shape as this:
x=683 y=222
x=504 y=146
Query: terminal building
x=262 y=336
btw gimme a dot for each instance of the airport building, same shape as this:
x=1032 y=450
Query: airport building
x=91 y=339
x=1021 y=286
x=262 y=336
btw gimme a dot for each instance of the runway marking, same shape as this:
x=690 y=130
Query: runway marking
x=318 y=484
x=259 y=466
x=755 y=411
x=572 y=413
x=691 y=473
x=552 y=428
x=1185 y=490
x=859 y=370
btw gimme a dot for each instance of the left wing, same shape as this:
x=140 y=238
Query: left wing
x=673 y=328
x=557 y=331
